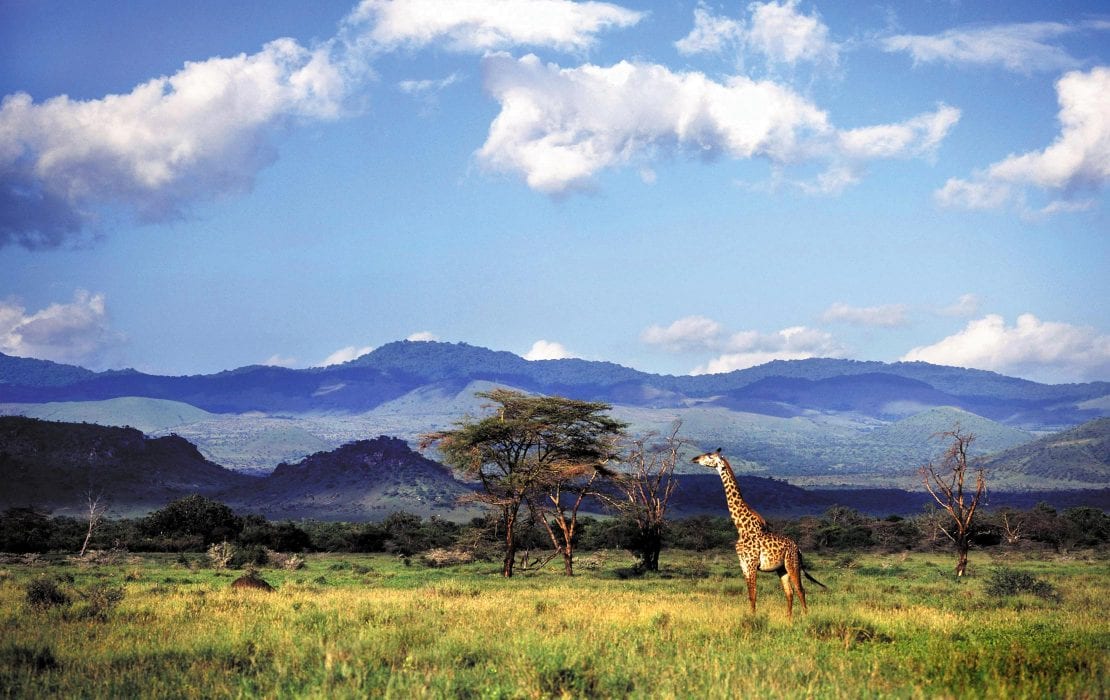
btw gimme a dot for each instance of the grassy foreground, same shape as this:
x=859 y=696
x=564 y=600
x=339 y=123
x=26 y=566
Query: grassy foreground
x=366 y=625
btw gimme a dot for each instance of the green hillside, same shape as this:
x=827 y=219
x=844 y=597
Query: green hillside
x=1076 y=458
x=148 y=415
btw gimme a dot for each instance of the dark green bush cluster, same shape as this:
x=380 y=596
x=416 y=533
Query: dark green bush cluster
x=95 y=602
x=1007 y=582
x=98 y=601
x=194 y=523
x=43 y=593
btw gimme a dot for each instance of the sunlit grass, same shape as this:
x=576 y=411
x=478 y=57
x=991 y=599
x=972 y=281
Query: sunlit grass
x=357 y=626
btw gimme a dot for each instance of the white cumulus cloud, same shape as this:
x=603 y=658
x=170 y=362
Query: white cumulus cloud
x=559 y=127
x=1078 y=160
x=1031 y=348
x=547 y=350
x=887 y=315
x=423 y=336
x=344 y=354
x=738 y=350
x=76 y=332
x=689 y=333
x=750 y=348
x=198 y=133
x=279 y=360
x=486 y=25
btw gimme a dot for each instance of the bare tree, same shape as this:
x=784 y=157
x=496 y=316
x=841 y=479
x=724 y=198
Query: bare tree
x=556 y=504
x=1013 y=527
x=646 y=489
x=947 y=482
x=95 y=511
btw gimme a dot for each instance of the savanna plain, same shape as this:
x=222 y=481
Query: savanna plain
x=353 y=625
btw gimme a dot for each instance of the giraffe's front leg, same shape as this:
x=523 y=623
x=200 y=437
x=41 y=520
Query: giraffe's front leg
x=750 y=570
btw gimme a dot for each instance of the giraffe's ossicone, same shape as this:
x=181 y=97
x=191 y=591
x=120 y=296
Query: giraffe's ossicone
x=757 y=547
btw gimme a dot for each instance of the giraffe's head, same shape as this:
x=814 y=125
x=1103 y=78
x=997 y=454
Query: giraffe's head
x=713 y=460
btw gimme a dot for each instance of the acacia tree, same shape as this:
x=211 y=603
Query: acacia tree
x=947 y=483
x=645 y=490
x=528 y=448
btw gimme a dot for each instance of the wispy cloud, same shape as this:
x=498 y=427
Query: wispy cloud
x=547 y=350
x=775 y=32
x=887 y=315
x=1040 y=350
x=1022 y=48
x=423 y=88
x=966 y=306
x=1077 y=161
x=559 y=127
x=423 y=336
x=75 y=332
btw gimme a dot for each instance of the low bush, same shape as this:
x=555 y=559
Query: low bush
x=43 y=593
x=1007 y=582
x=99 y=601
x=446 y=557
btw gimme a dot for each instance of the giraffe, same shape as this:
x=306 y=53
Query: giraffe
x=758 y=548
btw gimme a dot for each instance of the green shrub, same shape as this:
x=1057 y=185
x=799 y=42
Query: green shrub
x=99 y=601
x=43 y=593
x=36 y=658
x=1007 y=582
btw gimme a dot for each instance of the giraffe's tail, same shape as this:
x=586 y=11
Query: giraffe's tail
x=802 y=566
x=806 y=573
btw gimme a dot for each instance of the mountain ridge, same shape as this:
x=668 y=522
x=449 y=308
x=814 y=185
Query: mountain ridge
x=397 y=368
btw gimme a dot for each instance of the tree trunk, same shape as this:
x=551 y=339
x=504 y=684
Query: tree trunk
x=651 y=555
x=510 y=545
x=88 y=536
x=568 y=561
x=961 y=552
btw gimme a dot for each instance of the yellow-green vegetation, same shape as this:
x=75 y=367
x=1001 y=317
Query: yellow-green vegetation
x=371 y=626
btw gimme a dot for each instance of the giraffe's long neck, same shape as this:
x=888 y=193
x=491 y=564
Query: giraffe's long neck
x=743 y=517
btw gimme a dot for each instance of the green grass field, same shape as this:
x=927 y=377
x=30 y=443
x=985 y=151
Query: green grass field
x=369 y=626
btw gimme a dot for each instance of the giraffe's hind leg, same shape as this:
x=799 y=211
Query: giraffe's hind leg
x=785 y=578
x=794 y=574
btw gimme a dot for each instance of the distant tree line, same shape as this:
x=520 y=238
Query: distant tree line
x=194 y=523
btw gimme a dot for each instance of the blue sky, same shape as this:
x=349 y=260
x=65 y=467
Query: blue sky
x=677 y=187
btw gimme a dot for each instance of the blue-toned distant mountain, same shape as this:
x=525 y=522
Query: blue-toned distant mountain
x=822 y=423
x=782 y=388
x=54 y=466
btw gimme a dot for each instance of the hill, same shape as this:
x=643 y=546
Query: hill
x=148 y=415
x=1079 y=456
x=54 y=465
x=363 y=480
